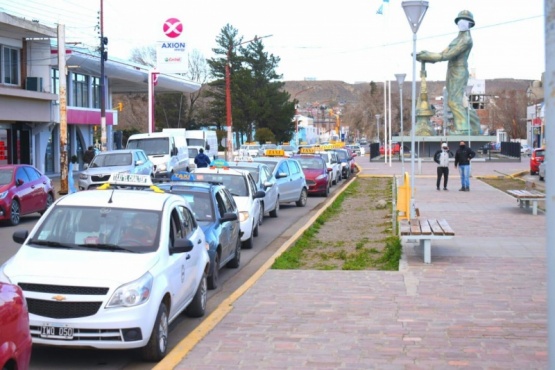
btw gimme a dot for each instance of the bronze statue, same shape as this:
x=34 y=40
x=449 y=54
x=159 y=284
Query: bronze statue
x=457 y=74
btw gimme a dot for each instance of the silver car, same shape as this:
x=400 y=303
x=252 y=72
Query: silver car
x=105 y=164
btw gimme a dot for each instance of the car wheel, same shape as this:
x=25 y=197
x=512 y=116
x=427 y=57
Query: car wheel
x=49 y=201
x=157 y=345
x=15 y=215
x=326 y=193
x=302 y=200
x=247 y=244
x=541 y=177
x=274 y=212
x=261 y=218
x=255 y=230
x=197 y=307
x=213 y=279
x=236 y=260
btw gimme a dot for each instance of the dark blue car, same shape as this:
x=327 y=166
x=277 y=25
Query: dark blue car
x=218 y=216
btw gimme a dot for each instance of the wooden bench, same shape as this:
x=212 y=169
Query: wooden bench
x=424 y=230
x=524 y=197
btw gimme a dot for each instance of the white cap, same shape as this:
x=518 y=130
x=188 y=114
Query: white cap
x=444 y=145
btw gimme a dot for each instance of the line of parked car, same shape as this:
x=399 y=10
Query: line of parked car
x=160 y=243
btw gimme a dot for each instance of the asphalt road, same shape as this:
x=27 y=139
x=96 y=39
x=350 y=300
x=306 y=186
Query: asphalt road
x=273 y=233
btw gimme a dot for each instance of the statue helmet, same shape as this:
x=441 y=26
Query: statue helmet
x=465 y=14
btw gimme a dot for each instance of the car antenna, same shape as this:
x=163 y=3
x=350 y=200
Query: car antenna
x=111 y=195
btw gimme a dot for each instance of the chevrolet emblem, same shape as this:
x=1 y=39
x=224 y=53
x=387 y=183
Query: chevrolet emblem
x=59 y=298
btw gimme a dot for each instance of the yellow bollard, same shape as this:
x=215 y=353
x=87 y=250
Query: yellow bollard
x=403 y=199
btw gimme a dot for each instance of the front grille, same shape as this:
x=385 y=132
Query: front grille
x=63 y=289
x=62 y=310
x=97 y=178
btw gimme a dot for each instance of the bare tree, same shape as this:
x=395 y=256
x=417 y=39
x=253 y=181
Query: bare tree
x=145 y=56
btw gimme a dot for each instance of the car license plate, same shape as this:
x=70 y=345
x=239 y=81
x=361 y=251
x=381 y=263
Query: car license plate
x=57 y=332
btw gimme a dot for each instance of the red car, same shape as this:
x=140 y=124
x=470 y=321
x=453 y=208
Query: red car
x=23 y=190
x=316 y=172
x=15 y=338
x=535 y=159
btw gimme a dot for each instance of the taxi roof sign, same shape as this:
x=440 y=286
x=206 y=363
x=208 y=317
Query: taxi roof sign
x=274 y=152
x=219 y=163
x=308 y=150
x=243 y=158
x=183 y=176
x=129 y=180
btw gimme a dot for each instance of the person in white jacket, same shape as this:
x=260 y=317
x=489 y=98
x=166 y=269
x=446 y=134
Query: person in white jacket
x=441 y=157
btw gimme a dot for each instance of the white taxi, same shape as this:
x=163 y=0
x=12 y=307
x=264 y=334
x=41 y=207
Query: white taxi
x=243 y=188
x=111 y=269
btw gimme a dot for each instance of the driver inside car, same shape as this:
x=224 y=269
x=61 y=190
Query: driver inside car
x=141 y=231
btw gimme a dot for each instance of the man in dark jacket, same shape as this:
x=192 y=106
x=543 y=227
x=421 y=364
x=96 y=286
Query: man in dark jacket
x=202 y=160
x=462 y=159
x=89 y=155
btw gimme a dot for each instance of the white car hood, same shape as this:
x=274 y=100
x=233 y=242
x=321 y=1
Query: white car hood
x=62 y=266
x=107 y=170
x=243 y=203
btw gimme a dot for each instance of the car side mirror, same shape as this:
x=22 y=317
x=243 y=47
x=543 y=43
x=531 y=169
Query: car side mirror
x=182 y=245
x=19 y=182
x=259 y=194
x=229 y=216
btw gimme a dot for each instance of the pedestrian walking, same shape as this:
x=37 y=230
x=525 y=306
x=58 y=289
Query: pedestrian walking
x=441 y=157
x=89 y=155
x=462 y=159
x=202 y=160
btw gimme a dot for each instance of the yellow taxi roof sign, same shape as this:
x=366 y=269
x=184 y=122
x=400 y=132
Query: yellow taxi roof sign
x=308 y=150
x=274 y=153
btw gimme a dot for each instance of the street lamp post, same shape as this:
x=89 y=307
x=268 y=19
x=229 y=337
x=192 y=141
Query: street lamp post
x=400 y=79
x=229 y=121
x=468 y=91
x=415 y=11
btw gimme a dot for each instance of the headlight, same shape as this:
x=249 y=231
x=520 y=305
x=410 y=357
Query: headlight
x=3 y=194
x=243 y=216
x=83 y=176
x=321 y=177
x=132 y=294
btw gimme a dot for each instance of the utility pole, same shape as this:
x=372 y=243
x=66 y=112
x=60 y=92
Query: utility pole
x=103 y=57
x=63 y=109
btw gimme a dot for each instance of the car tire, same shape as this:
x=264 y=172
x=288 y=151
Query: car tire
x=236 y=260
x=303 y=198
x=261 y=218
x=197 y=307
x=275 y=211
x=215 y=277
x=15 y=213
x=541 y=177
x=49 y=201
x=247 y=244
x=157 y=345
x=326 y=193
x=255 y=230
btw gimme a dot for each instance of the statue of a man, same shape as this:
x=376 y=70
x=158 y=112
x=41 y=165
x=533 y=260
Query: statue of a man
x=457 y=73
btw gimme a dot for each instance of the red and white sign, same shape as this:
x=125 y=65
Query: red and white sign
x=173 y=28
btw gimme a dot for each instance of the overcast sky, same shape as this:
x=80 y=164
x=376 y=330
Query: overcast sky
x=323 y=40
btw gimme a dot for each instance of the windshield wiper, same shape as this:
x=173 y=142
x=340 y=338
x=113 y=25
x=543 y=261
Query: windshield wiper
x=51 y=243
x=109 y=247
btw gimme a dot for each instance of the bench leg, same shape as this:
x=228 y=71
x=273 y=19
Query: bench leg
x=426 y=244
x=534 y=207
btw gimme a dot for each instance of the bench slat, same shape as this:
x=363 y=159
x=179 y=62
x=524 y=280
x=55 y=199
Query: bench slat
x=445 y=226
x=404 y=227
x=526 y=193
x=434 y=225
x=426 y=227
x=415 y=227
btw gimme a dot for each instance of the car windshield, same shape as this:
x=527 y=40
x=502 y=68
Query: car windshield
x=311 y=163
x=6 y=176
x=236 y=184
x=152 y=146
x=253 y=171
x=342 y=154
x=99 y=228
x=539 y=153
x=200 y=203
x=271 y=165
x=108 y=160
x=193 y=152
x=288 y=148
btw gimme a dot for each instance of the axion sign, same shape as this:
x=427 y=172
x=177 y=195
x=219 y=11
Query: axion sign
x=173 y=28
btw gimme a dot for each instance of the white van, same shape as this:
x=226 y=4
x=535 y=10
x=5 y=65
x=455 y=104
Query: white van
x=205 y=139
x=167 y=150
